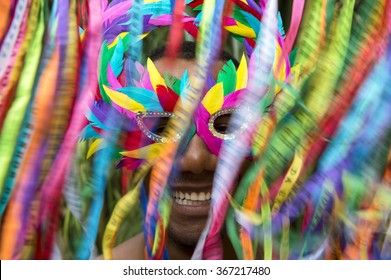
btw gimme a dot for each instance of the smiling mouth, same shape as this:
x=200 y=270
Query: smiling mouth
x=191 y=198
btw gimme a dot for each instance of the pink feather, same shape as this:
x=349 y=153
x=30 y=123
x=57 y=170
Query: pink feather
x=116 y=11
x=164 y=20
x=113 y=81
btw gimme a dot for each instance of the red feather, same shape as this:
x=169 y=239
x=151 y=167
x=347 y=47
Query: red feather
x=167 y=98
x=196 y=3
x=191 y=29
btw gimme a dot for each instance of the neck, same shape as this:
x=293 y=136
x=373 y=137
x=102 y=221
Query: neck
x=178 y=251
x=184 y=252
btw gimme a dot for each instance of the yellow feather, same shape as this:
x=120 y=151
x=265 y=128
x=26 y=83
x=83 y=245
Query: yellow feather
x=97 y=145
x=156 y=78
x=241 y=30
x=214 y=99
x=122 y=35
x=141 y=153
x=241 y=74
x=124 y=101
x=142 y=36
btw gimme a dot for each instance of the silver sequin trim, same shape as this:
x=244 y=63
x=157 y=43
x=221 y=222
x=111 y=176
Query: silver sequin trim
x=227 y=136
x=154 y=137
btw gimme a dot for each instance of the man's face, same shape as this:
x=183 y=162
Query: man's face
x=192 y=187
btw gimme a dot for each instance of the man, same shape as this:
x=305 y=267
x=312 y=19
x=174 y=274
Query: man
x=192 y=187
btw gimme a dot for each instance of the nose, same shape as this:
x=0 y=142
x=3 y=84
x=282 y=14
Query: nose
x=197 y=158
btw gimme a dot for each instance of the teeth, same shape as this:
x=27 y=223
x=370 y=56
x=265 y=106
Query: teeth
x=191 y=198
x=194 y=196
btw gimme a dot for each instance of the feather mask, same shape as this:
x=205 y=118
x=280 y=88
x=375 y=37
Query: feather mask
x=145 y=108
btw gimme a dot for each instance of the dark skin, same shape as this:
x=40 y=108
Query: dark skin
x=197 y=166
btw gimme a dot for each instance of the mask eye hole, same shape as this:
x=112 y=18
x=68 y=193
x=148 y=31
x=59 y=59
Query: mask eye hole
x=156 y=125
x=153 y=124
x=219 y=124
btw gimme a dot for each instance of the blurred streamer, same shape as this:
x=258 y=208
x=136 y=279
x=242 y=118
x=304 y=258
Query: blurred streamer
x=93 y=135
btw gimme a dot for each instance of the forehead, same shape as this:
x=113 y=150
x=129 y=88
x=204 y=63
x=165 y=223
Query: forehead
x=176 y=67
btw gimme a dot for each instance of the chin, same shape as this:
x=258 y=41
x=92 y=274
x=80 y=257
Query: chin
x=186 y=232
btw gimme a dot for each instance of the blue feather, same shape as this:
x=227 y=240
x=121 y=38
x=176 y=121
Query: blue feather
x=94 y=120
x=88 y=132
x=99 y=116
x=143 y=96
x=280 y=25
x=184 y=82
x=198 y=19
x=117 y=60
x=253 y=22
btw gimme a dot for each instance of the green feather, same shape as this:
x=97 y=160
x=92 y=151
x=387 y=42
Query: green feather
x=238 y=16
x=199 y=8
x=106 y=55
x=227 y=75
x=172 y=82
